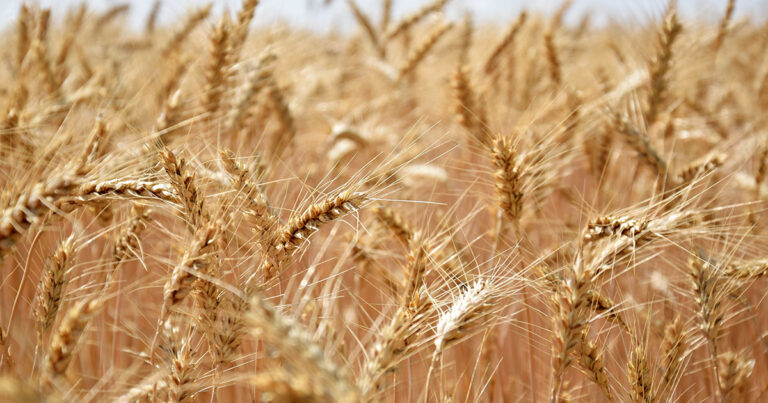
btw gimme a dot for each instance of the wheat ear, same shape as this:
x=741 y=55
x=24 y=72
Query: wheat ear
x=183 y=181
x=708 y=292
x=367 y=26
x=735 y=368
x=192 y=21
x=674 y=347
x=394 y=222
x=22 y=33
x=661 y=64
x=420 y=52
x=240 y=34
x=409 y=20
x=67 y=338
x=593 y=364
x=301 y=353
x=469 y=113
x=508 y=175
x=639 y=376
x=300 y=227
x=197 y=258
x=722 y=29
x=506 y=41
x=468 y=310
x=52 y=284
x=216 y=76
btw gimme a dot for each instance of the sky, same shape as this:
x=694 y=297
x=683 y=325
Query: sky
x=313 y=14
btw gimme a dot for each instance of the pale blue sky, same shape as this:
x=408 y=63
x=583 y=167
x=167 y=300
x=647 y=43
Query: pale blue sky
x=311 y=13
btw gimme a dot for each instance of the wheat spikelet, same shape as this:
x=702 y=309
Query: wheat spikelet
x=65 y=47
x=619 y=248
x=639 y=375
x=228 y=338
x=197 y=258
x=415 y=269
x=255 y=200
x=283 y=138
x=641 y=144
x=557 y=16
x=469 y=113
x=553 y=60
x=302 y=354
x=52 y=284
x=508 y=175
x=570 y=321
x=722 y=29
x=151 y=23
x=151 y=387
x=747 y=270
x=395 y=223
x=397 y=339
x=396 y=342
x=465 y=39
x=608 y=226
x=661 y=64
x=386 y=15
x=300 y=227
x=67 y=338
x=20 y=212
x=735 y=368
x=127 y=189
x=505 y=42
x=367 y=26
x=242 y=25
x=705 y=282
x=571 y=299
x=592 y=362
x=110 y=14
x=127 y=241
x=9 y=125
x=673 y=346
x=411 y=19
x=170 y=116
x=94 y=148
x=22 y=33
x=190 y=23
x=259 y=79
x=468 y=310
x=709 y=290
x=602 y=305
x=40 y=51
x=183 y=181
x=215 y=74
x=182 y=374
x=700 y=168
x=208 y=300
x=417 y=54
x=171 y=87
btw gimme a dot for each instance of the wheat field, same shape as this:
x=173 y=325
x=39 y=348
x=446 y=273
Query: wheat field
x=424 y=209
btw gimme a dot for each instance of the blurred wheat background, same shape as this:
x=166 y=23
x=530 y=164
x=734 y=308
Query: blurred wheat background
x=322 y=201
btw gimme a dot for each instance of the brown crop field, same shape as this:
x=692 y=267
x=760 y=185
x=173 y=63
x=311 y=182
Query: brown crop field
x=424 y=209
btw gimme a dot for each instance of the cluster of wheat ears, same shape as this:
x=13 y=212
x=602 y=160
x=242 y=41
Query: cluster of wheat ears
x=423 y=210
